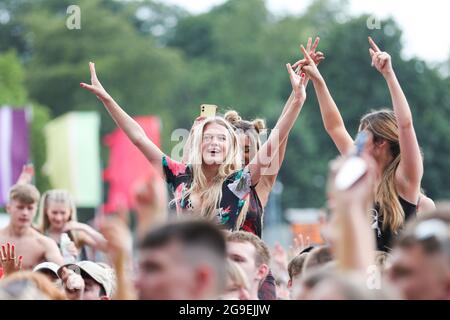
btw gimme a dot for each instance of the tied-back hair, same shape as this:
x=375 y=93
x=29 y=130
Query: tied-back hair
x=383 y=125
x=211 y=195
x=251 y=128
x=61 y=197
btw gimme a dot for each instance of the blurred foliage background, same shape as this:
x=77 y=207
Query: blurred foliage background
x=161 y=60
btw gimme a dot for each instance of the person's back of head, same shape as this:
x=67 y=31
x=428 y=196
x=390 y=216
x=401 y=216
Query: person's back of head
x=421 y=257
x=317 y=257
x=302 y=286
x=431 y=231
x=295 y=267
x=188 y=255
x=382 y=260
x=350 y=286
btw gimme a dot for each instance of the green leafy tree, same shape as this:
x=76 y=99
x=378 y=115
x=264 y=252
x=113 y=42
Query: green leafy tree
x=13 y=93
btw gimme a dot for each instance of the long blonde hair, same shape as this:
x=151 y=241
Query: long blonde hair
x=383 y=125
x=210 y=195
x=236 y=275
x=56 y=196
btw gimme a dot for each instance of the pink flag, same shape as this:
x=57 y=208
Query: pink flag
x=127 y=165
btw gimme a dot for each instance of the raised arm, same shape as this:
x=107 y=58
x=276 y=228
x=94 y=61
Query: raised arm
x=9 y=262
x=268 y=180
x=90 y=236
x=119 y=252
x=281 y=130
x=355 y=239
x=27 y=174
x=151 y=205
x=410 y=170
x=332 y=119
x=131 y=128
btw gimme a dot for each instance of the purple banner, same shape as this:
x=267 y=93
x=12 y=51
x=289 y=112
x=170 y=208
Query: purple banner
x=14 y=148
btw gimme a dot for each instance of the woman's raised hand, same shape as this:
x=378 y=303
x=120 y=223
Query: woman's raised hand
x=27 y=174
x=317 y=57
x=307 y=65
x=380 y=60
x=298 y=83
x=95 y=87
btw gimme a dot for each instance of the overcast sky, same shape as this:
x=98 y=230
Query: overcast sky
x=425 y=24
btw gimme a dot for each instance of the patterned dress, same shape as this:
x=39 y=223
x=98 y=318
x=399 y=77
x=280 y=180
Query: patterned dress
x=235 y=191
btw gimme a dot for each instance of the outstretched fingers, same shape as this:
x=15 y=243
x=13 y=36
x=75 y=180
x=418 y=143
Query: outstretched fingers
x=87 y=86
x=374 y=45
x=4 y=256
x=291 y=73
x=13 y=252
x=318 y=58
x=315 y=44
x=374 y=56
x=8 y=251
x=308 y=45
x=306 y=54
x=383 y=59
x=299 y=63
x=93 y=73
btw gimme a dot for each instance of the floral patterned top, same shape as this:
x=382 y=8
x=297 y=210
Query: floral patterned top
x=235 y=191
x=254 y=219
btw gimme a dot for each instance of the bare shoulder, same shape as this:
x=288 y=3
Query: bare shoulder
x=42 y=239
x=425 y=205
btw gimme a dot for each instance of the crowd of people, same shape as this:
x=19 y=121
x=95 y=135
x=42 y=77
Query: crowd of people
x=383 y=238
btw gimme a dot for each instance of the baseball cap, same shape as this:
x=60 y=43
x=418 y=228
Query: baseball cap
x=100 y=273
x=53 y=267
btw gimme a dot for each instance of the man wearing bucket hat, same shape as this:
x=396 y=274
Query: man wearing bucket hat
x=87 y=280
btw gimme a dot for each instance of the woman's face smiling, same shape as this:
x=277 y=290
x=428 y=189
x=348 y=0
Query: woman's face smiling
x=215 y=144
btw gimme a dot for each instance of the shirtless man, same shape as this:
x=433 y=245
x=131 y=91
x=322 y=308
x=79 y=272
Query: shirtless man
x=29 y=243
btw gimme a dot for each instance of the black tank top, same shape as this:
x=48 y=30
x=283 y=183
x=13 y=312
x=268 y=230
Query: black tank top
x=386 y=237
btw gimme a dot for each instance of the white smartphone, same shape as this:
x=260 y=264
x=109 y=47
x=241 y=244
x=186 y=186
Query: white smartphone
x=354 y=167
